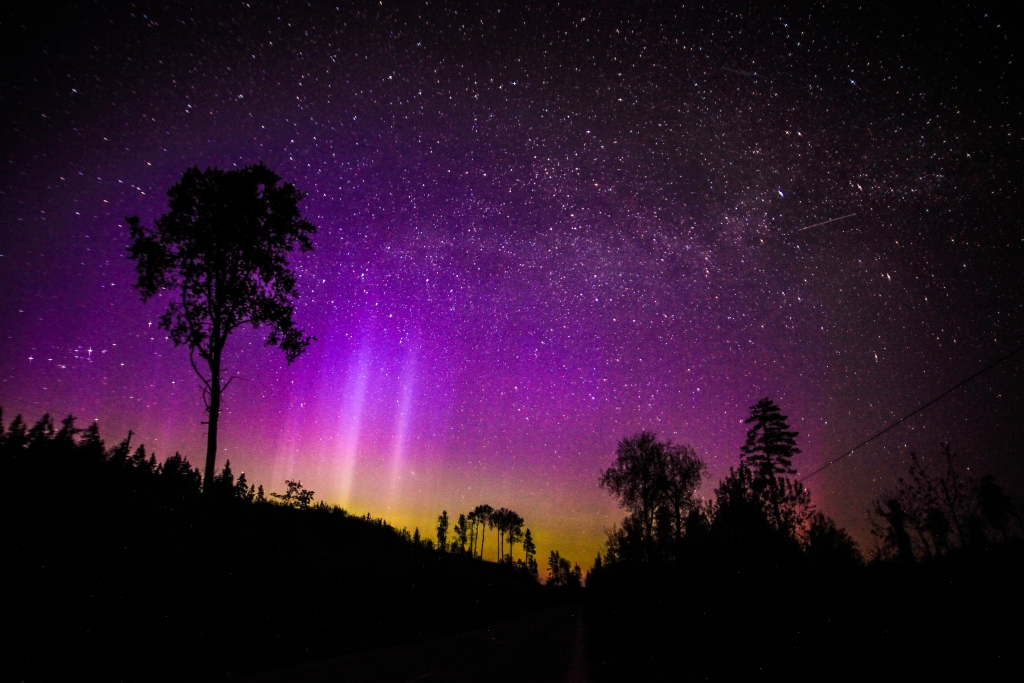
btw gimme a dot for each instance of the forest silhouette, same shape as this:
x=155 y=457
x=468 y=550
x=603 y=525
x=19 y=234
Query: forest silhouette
x=756 y=582
x=114 y=552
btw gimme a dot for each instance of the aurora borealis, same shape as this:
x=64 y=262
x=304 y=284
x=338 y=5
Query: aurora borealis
x=542 y=228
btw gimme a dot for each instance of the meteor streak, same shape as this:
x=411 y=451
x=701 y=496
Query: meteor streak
x=830 y=220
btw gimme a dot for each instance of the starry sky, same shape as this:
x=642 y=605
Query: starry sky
x=542 y=227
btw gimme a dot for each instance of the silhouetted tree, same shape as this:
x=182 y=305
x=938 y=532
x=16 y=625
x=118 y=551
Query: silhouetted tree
x=65 y=437
x=561 y=571
x=768 y=452
x=956 y=497
x=738 y=511
x=499 y=518
x=636 y=478
x=929 y=513
x=442 y=531
x=117 y=457
x=770 y=445
x=513 y=530
x=598 y=565
x=471 y=519
x=684 y=471
x=657 y=483
x=17 y=436
x=243 y=491
x=555 y=575
x=41 y=434
x=296 y=496
x=995 y=506
x=224 y=483
x=892 y=536
x=222 y=247
x=625 y=542
x=482 y=515
x=530 y=549
x=179 y=476
x=830 y=545
x=461 y=533
x=91 y=446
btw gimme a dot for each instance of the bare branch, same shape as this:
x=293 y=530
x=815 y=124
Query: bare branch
x=228 y=383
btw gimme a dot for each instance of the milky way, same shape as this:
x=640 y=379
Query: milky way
x=541 y=229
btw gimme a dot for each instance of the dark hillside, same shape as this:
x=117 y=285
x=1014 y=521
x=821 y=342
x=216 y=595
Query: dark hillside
x=123 y=571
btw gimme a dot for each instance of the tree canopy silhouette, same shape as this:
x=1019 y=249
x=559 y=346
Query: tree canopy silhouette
x=222 y=248
x=656 y=481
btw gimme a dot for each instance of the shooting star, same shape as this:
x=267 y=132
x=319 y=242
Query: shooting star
x=830 y=220
x=742 y=73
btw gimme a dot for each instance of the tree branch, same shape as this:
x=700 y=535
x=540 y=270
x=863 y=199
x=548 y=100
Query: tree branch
x=206 y=383
x=228 y=383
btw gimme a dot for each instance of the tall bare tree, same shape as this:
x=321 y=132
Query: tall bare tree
x=483 y=519
x=513 y=530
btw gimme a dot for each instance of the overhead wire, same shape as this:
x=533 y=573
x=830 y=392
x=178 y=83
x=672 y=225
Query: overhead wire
x=906 y=417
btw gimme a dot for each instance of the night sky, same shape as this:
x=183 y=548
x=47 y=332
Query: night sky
x=541 y=228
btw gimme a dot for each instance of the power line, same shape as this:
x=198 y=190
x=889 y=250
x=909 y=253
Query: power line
x=910 y=415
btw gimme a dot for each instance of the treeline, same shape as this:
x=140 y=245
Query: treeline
x=127 y=570
x=72 y=449
x=932 y=513
x=755 y=579
x=761 y=503
x=469 y=533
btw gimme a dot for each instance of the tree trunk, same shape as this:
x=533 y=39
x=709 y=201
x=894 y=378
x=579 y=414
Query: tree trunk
x=211 y=434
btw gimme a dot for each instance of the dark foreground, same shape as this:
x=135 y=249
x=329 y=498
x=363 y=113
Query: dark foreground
x=961 y=619
x=120 y=571
x=544 y=647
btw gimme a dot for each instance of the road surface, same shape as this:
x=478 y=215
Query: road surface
x=543 y=647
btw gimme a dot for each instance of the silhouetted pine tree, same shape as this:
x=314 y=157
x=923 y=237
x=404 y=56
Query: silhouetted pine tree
x=768 y=452
x=442 y=531
x=40 y=436
x=91 y=446
x=770 y=445
x=17 y=436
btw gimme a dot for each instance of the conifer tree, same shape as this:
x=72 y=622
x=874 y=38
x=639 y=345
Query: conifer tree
x=17 y=435
x=768 y=453
x=91 y=444
x=442 y=531
x=770 y=445
x=530 y=549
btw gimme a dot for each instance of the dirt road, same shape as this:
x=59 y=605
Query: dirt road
x=544 y=647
